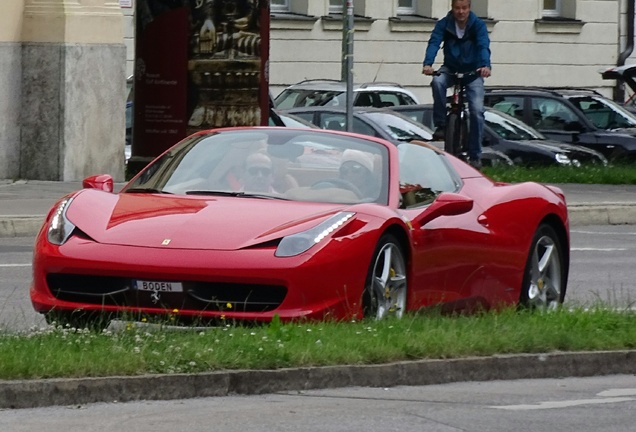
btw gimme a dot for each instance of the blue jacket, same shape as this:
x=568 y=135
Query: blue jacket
x=460 y=55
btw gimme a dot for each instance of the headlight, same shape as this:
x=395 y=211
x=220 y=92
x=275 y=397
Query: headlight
x=60 y=228
x=563 y=159
x=296 y=244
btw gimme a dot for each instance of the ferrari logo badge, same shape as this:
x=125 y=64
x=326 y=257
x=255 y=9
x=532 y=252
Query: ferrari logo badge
x=155 y=297
x=165 y=242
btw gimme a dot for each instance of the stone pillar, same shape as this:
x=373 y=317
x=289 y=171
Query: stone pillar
x=73 y=90
x=10 y=87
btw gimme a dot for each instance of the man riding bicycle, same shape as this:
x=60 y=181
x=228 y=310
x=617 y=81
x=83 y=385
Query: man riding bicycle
x=466 y=49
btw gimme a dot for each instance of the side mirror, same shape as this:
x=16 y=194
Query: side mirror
x=103 y=182
x=446 y=204
x=573 y=126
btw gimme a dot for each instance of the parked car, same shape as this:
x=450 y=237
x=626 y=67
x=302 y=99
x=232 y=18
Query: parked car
x=182 y=242
x=521 y=143
x=625 y=74
x=280 y=118
x=383 y=123
x=574 y=116
x=324 y=92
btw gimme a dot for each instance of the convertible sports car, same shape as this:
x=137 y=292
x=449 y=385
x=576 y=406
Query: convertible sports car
x=251 y=223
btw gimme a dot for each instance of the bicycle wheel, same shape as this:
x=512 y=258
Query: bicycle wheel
x=453 y=134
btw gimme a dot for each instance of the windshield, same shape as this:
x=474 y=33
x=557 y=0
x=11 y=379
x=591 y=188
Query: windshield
x=273 y=163
x=509 y=128
x=604 y=113
x=400 y=127
x=291 y=98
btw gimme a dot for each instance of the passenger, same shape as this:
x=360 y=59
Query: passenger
x=357 y=168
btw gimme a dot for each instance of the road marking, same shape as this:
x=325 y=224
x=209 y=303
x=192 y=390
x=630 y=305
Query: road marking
x=15 y=265
x=617 y=392
x=599 y=249
x=601 y=232
x=563 y=404
x=605 y=397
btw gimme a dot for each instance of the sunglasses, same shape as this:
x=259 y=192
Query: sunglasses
x=352 y=169
x=262 y=171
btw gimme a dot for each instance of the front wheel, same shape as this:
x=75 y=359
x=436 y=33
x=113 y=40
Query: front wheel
x=386 y=286
x=545 y=276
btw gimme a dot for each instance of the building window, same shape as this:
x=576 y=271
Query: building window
x=406 y=7
x=552 y=8
x=337 y=6
x=279 y=5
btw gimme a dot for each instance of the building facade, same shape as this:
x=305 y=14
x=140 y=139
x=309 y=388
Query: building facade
x=64 y=63
x=62 y=83
x=533 y=42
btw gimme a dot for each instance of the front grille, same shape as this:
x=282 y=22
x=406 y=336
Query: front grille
x=198 y=296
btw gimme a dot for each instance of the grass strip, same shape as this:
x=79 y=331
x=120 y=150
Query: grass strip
x=136 y=350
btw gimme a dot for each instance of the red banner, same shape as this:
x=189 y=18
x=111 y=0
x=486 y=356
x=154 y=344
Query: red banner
x=199 y=64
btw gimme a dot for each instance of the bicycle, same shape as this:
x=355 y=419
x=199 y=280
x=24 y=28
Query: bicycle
x=457 y=130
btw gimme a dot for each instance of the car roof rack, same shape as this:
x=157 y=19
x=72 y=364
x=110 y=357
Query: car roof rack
x=380 y=83
x=327 y=80
x=552 y=90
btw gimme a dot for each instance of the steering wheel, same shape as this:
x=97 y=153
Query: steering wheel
x=339 y=183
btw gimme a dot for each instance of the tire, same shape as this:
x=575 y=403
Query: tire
x=545 y=275
x=452 y=134
x=456 y=139
x=386 y=287
x=78 y=319
x=463 y=137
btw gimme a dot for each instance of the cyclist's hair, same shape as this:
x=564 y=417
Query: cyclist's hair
x=455 y=1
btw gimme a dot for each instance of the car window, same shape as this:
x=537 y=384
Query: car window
x=291 y=98
x=309 y=116
x=423 y=175
x=511 y=105
x=389 y=99
x=508 y=127
x=332 y=121
x=338 y=122
x=400 y=127
x=275 y=163
x=364 y=99
x=605 y=114
x=554 y=114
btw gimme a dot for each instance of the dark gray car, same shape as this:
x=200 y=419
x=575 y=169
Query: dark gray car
x=575 y=116
x=520 y=142
x=382 y=123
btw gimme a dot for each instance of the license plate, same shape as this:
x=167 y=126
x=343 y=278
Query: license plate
x=142 y=285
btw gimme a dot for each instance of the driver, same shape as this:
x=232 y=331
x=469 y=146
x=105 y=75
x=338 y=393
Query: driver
x=356 y=167
x=258 y=176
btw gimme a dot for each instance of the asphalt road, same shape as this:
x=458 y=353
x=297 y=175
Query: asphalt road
x=565 y=405
x=601 y=270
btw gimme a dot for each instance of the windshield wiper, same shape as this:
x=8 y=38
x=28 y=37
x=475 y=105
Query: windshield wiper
x=234 y=194
x=147 y=190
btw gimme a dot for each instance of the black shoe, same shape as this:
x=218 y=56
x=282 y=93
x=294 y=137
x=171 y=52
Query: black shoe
x=475 y=163
x=439 y=134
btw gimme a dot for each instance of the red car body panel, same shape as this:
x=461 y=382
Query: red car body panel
x=478 y=256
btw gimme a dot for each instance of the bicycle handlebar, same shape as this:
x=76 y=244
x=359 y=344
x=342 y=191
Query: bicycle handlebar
x=459 y=75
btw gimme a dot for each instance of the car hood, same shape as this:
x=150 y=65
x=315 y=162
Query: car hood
x=558 y=147
x=191 y=222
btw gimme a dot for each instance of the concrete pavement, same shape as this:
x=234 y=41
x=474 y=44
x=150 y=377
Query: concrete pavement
x=23 y=204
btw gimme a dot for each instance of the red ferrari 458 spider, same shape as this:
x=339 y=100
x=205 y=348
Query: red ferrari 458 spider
x=251 y=223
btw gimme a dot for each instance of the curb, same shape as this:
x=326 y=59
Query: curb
x=602 y=214
x=20 y=226
x=76 y=391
